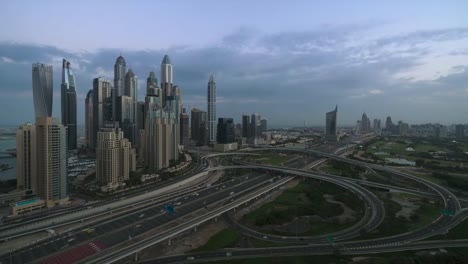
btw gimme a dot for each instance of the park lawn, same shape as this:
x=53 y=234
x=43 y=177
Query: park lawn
x=305 y=199
x=393 y=225
x=223 y=239
x=426 y=147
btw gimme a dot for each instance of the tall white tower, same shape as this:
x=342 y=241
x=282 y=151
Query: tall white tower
x=211 y=111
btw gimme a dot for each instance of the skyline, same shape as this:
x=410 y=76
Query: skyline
x=374 y=61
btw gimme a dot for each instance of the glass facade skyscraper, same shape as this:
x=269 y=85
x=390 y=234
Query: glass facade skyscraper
x=42 y=89
x=68 y=96
x=212 y=111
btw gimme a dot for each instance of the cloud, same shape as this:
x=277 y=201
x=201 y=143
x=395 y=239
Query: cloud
x=7 y=60
x=287 y=77
x=375 y=91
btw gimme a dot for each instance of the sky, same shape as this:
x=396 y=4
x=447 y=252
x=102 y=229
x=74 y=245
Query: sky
x=289 y=61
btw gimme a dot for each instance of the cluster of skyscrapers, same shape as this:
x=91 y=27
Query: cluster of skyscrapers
x=115 y=121
x=252 y=127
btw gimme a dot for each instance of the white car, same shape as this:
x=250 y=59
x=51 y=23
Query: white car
x=190 y=258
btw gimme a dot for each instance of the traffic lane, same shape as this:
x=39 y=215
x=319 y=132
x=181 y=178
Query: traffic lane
x=128 y=194
x=225 y=189
x=122 y=221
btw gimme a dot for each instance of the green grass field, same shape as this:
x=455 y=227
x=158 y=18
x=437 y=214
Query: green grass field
x=393 y=225
x=223 y=239
x=305 y=199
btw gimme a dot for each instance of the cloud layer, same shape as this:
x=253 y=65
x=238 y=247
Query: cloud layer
x=288 y=77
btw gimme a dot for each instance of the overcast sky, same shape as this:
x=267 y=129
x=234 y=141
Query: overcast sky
x=290 y=61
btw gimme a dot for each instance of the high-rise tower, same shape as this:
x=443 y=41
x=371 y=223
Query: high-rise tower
x=102 y=105
x=68 y=96
x=330 y=129
x=166 y=78
x=42 y=89
x=212 y=128
x=120 y=71
x=89 y=131
x=42 y=148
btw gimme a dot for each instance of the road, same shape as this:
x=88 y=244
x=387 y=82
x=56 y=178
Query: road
x=120 y=229
x=320 y=249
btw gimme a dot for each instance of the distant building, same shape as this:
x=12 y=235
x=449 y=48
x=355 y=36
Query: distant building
x=184 y=130
x=26 y=171
x=140 y=115
x=459 y=131
x=120 y=71
x=89 y=131
x=68 y=96
x=377 y=125
x=211 y=111
x=255 y=126
x=245 y=126
x=330 y=128
x=389 y=123
x=102 y=105
x=198 y=133
x=263 y=126
x=162 y=127
x=226 y=131
x=125 y=116
x=365 y=124
x=114 y=157
x=403 y=128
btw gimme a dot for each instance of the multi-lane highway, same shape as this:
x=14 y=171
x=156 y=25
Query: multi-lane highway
x=131 y=225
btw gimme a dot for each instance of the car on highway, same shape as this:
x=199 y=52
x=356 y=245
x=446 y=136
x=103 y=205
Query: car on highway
x=142 y=215
x=228 y=254
x=190 y=258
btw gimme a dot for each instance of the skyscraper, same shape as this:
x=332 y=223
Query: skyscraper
x=140 y=121
x=330 y=129
x=364 y=123
x=42 y=89
x=211 y=111
x=389 y=123
x=68 y=96
x=89 y=131
x=114 y=157
x=255 y=126
x=226 y=131
x=51 y=161
x=198 y=132
x=376 y=125
x=263 y=126
x=26 y=169
x=120 y=71
x=166 y=78
x=245 y=126
x=42 y=149
x=102 y=105
x=184 y=130
x=162 y=127
x=129 y=126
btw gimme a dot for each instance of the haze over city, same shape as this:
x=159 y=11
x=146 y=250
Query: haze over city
x=289 y=61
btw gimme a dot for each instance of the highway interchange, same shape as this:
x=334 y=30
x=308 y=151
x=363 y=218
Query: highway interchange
x=133 y=231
